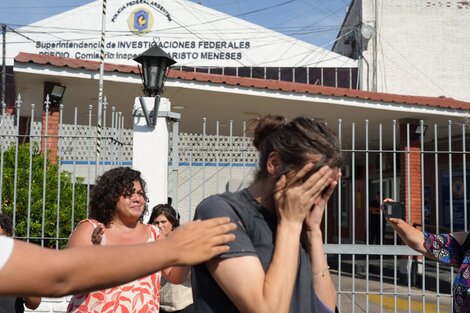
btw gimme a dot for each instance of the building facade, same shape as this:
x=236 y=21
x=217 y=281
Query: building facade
x=228 y=72
x=200 y=39
x=409 y=47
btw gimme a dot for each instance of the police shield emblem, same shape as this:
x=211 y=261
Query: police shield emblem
x=140 y=21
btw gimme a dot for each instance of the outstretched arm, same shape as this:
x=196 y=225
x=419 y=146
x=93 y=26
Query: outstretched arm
x=175 y=274
x=59 y=273
x=413 y=238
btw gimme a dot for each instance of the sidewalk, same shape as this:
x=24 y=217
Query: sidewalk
x=375 y=296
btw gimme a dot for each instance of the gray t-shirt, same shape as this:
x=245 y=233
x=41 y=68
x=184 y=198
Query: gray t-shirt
x=255 y=235
x=11 y=304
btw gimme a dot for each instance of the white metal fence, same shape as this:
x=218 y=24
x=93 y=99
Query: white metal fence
x=46 y=196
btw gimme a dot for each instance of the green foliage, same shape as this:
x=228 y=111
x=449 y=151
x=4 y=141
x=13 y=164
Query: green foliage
x=57 y=216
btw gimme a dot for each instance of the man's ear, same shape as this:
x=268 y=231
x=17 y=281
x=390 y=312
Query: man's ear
x=274 y=163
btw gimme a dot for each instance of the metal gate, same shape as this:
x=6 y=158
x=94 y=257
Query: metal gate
x=47 y=168
x=422 y=165
x=47 y=193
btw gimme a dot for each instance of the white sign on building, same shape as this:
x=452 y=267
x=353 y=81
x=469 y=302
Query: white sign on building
x=192 y=34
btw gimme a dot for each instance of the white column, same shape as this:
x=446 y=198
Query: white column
x=150 y=151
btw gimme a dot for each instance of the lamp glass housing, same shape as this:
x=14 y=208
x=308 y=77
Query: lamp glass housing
x=155 y=63
x=154 y=70
x=57 y=92
x=418 y=130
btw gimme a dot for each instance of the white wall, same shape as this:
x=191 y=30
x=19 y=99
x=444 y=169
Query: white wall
x=422 y=47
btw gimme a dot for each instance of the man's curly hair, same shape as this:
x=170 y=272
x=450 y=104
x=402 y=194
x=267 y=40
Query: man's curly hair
x=109 y=187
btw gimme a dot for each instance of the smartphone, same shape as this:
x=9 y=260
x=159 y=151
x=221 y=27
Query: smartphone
x=393 y=209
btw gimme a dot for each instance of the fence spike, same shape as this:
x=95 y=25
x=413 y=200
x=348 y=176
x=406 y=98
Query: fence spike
x=18 y=101
x=47 y=103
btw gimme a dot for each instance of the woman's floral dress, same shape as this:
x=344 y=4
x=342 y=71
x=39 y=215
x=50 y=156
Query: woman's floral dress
x=141 y=295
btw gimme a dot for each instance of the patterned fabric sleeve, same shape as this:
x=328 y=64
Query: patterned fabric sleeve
x=444 y=248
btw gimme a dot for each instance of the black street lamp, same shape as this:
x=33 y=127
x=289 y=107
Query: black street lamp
x=55 y=91
x=155 y=63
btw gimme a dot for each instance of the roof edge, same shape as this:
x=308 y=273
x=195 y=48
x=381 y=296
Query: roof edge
x=275 y=85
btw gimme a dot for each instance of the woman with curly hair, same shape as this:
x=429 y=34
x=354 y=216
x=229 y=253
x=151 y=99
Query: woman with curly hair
x=117 y=206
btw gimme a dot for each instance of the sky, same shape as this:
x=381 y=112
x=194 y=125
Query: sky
x=314 y=21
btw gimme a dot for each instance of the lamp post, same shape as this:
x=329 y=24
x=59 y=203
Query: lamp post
x=151 y=138
x=153 y=71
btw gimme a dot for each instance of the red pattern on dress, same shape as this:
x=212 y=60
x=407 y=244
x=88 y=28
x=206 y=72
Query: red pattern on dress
x=141 y=295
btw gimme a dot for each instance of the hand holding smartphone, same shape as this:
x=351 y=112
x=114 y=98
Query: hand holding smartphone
x=393 y=209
